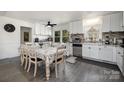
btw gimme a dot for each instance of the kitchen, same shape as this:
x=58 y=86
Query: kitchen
x=101 y=39
x=61 y=46
x=94 y=41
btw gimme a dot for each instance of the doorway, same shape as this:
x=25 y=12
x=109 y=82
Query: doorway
x=26 y=34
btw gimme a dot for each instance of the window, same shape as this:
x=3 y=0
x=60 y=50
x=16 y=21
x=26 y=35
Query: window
x=57 y=36
x=61 y=36
x=65 y=36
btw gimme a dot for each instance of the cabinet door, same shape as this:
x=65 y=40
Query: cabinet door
x=70 y=28
x=76 y=27
x=70 y=49
x=123 y=18
x=120 y=59
x=37 y=29
x=106 y=53
x=67 y=49
x=116 y=22
x=79 y=27
x=106 y=23
x=114 y=55
x=94 y=52
x=86 y=51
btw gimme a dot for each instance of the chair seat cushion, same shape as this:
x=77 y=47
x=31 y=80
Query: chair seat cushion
x=38 y=59
x=57 y=60
x=24 y=55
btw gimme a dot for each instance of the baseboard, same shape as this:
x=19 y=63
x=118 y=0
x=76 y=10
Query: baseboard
x=100 y=60
x=10 y=60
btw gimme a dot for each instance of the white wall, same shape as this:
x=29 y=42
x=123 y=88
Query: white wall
x=10 y=42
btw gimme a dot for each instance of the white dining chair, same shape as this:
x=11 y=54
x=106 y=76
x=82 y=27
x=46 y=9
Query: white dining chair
x=21 y=53
x=33 y=59
x=29 y=43
x=59 y=58
x=25 y=56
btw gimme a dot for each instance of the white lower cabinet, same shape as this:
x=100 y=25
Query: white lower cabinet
x=103 y=53
x=86 y=51
x=90 y=51
x=114 y=55
x=69 y=49
x=120 y=59
x=94 y=52
x=106 y=53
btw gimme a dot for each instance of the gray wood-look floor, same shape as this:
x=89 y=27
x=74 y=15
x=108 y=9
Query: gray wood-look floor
x=82 y=71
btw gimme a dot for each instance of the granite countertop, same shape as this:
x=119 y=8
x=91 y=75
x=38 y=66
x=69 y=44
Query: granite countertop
x=96 y=44
x=101 y=44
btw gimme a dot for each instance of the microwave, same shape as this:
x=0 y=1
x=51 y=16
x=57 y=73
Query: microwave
x=77 y=38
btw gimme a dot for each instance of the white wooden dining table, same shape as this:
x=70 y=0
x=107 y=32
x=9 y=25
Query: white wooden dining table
x=47 y=54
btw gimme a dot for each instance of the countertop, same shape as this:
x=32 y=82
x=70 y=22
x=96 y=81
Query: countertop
x=98 y=44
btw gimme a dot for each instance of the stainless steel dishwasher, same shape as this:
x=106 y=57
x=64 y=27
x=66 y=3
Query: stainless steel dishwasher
x=77 y=50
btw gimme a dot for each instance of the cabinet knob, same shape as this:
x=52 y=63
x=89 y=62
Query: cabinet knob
x=99 y=48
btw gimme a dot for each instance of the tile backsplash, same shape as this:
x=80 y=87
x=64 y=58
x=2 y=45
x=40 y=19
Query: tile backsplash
x=112 y=35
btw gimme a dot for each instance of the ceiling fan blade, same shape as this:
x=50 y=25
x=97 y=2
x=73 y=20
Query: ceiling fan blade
x=54 y=24
x=49 y=24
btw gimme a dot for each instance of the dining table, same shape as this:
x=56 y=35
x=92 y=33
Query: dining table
x=48 y=55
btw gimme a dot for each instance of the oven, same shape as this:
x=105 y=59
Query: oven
x=77 y=50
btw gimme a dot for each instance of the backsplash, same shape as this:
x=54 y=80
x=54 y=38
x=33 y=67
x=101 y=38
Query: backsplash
x=113 y=35
x=77 y=38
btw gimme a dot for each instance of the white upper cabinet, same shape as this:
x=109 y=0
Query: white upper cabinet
x=76 y=27
x=37 y=29
x=106 y=24
x=40 y=29
x=116 y=22
x=113 y=22
x=79 y=26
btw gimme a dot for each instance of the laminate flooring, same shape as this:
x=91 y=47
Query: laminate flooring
x=82 y=71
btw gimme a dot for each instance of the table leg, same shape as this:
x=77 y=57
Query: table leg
x=47 y=68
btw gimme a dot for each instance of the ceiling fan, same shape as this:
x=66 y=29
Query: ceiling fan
x=49 y=24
